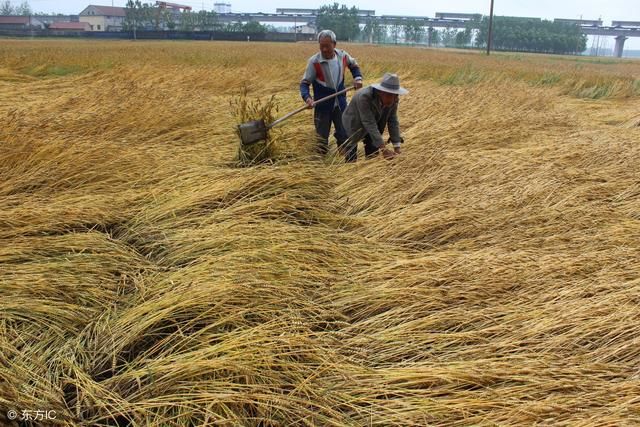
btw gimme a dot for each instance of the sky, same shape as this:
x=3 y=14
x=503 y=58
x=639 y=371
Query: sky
x=607 y=10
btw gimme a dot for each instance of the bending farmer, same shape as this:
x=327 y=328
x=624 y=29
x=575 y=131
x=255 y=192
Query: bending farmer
x=369 y=112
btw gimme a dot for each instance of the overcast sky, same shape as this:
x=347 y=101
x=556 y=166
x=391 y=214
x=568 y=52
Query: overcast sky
x=621 y=10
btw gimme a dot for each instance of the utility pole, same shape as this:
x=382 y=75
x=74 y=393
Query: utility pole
x=490 y=29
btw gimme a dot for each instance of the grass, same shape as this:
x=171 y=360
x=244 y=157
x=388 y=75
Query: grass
x=550 y=79
x=488 y=276
x=47 y=71
x=600 y=88
x=464 y=76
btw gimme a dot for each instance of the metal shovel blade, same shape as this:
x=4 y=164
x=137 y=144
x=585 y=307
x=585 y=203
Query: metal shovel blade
x=253 y=132
x=256 y=131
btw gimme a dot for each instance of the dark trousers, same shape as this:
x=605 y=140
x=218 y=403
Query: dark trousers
x=323 y=120
x=370 y=151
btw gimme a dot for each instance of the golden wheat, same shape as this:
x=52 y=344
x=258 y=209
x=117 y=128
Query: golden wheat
x=488 y=276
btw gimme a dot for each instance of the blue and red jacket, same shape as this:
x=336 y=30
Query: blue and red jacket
x=319 y=75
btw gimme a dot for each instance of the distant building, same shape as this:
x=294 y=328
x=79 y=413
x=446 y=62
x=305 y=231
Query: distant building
x=462 y=16
x=46 y=20
x=103 y=18
x=70 y=26
x=523 y=18
x=14 y=22
x=173 y=7
x=222 y=7
x=305 y=29
x=33 y=22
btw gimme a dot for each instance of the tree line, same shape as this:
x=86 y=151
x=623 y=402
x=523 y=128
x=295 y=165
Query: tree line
x=528 y=35
x=413 y=31
x=8 y=8
x=145 y=16
x=509 y=33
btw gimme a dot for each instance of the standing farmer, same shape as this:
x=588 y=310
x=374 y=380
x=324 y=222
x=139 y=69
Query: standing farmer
x=369 y=112
x=325 y=71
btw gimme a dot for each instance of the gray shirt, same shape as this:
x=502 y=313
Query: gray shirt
x=366 y=115
x=334 y=70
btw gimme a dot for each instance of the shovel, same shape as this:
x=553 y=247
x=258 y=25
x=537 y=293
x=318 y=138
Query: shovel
x=256 y=130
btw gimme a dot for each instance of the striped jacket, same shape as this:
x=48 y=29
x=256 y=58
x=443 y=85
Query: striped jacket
x=318 y=75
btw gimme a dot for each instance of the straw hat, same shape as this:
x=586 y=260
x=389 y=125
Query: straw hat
x=390 y=83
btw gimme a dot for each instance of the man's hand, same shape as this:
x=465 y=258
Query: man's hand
x=309 y=102
x=387 y=154
x=358 y=84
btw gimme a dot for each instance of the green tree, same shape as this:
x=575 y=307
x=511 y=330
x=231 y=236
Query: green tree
x=448 y=37
x=141 y=16
x=157 y=19
x=188 y=21
x=132 y=16
x=395 y=31
x=341 y=20
x=463 y=38
x=532 y=35
x=148 y=13
x=233 y=27
x=433 y=37
x=24 y=9
x=366 y=34
x=254 y=27
x=413 y=31
x=207 y=21
x=168 y=20
x=250 y=27
x=6 y=8
x=380 y=34
x=373 y=31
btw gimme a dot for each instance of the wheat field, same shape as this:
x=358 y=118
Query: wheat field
x=488 y=276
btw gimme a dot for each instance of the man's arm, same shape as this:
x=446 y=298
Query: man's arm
x=394 y=128
x=309 y=76
x=355 y=70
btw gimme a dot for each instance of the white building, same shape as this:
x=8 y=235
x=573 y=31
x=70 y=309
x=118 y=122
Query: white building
x=103 y=18
x=222 y=7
